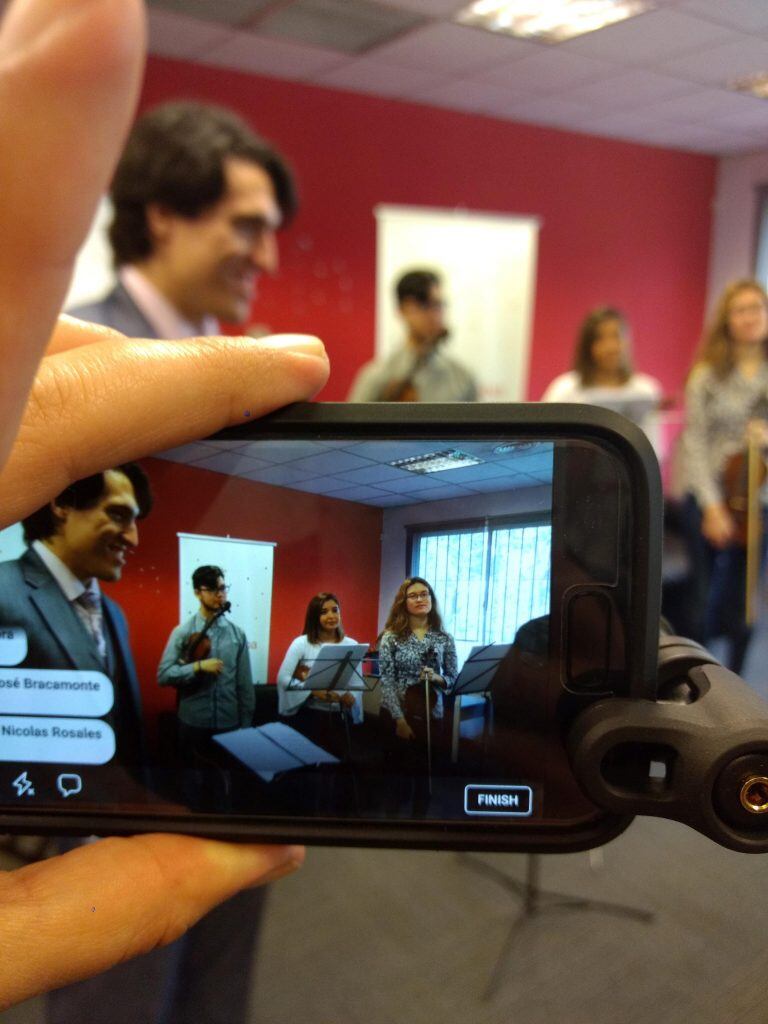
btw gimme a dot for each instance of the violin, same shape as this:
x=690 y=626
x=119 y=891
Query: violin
x=744 y=475
x=404 y=390
x=198 y=646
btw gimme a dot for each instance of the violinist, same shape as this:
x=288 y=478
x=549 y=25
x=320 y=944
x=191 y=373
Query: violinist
x=416 y=655
x=418 y=371
x=206 y=659
x=311 y=711
x=726 y=407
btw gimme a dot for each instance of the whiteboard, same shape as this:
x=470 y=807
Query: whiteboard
x=488 y=266
x=247 y=567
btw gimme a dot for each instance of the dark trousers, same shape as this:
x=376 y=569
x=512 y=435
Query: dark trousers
x=205 y=783
x=716 y=591
x=202 y=978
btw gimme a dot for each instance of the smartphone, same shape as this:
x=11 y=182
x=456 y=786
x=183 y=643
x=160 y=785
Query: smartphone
x=342 y=624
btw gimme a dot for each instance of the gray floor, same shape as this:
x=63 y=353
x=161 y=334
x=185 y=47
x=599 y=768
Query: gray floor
x=378 y=937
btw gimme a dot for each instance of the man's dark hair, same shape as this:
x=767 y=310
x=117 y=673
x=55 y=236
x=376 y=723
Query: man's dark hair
x=175 y=157
x=84 y=494
x=416 y=285
x=206 y=576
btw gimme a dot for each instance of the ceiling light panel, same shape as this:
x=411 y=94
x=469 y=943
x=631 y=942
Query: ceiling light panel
x=755 y=85
x=552 y=21
x=349 y=26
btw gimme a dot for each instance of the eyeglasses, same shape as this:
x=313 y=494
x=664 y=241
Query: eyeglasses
x=215 y=590
x=420 y=595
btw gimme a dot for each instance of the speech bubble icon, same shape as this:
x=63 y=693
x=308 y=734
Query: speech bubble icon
x=69 y=784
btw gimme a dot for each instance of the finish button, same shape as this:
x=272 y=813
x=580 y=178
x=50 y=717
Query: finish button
x=508 y=801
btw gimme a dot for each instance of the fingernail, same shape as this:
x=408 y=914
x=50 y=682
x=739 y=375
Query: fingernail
x=296 y=342
x=292 y=863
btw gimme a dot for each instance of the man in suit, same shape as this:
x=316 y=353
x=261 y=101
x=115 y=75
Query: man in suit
x=79 y=540
x=198 y=199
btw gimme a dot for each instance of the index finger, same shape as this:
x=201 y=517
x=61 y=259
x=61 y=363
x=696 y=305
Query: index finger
x=62 y=123
x=73 y=916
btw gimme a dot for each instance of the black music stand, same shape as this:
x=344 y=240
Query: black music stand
x=477 y=674
x=337 y=667
x=536 y=901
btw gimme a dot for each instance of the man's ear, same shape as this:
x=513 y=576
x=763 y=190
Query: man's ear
x=160 y=222
x=60 y=513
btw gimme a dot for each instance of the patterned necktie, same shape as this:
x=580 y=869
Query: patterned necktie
x=91 y=601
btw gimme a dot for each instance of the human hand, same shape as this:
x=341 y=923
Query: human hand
x=403 y=730
x=68 y=407
x=75 y=398
x=212 y=665
x=757 y=433
x=717 y=525
x=75 y=915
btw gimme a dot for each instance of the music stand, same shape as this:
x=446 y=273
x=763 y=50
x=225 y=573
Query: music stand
x=337 y=667
x=536 y=901
x=477 y=674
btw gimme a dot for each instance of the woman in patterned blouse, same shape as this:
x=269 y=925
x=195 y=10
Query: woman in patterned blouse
x=414 y=647
x=726 y=401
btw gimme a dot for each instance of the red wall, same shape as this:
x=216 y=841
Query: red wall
x=322 y=544
x=621 y=223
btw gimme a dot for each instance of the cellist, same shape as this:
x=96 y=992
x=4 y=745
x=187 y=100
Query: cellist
x=726 y=416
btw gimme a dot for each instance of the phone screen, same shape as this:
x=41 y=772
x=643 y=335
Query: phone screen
x=319 y=628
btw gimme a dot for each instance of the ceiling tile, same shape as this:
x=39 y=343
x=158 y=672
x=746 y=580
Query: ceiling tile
x=245 y=51
x=230 y=12
x=713 y=107
x=431 y=8
x=649 y=38
x=746 y=15
x=634 y=88
x=232 y=463
x=371 y=76
x=450 y=49
x=548 y=110
x=349 y=26
x=547 y=70
x=174 y=35
x=471 y=95
x=188 y=453
x=721 y=64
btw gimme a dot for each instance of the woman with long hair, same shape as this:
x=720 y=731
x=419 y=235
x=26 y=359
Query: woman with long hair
x=322 y=625
x=603 y=372
x=726 y=406
x=415 y=653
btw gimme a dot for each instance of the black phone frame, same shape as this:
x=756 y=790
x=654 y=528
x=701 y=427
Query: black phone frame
x=385 y=421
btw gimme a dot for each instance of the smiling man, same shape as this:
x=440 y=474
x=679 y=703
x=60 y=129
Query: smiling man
x=198 y=199
x=75 y=543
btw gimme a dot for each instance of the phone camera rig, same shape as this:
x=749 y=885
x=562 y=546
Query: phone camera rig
x=698 y=753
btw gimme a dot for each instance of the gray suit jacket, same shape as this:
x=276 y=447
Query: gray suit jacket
x=118 y=310
x=32 y=599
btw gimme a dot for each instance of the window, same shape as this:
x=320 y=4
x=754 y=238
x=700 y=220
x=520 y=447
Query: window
x=489 y=577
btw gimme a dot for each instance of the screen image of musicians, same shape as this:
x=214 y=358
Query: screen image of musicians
x=377 y=717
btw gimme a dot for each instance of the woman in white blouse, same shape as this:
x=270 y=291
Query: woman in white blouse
x=603 y=373
x=322 y=625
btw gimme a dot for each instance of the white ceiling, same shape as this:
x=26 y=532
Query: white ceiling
x=360 y=471
x=658 y=78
